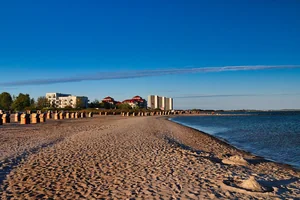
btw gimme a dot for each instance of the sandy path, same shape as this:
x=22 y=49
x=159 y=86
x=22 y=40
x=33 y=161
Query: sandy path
x=142 y=157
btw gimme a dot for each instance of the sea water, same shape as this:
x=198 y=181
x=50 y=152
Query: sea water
x=274 y=136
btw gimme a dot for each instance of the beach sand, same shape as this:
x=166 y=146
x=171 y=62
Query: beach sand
x=114 y=157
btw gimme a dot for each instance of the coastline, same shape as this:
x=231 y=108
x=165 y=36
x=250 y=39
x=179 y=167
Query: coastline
x=134 y=157
x=226 y=142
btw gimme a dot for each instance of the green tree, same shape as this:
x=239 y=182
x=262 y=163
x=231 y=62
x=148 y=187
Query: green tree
x=80 y=103
x=32 y=102
x=5 y=101
x=21 y=102
x=124 y=106
x=94 y=104
x=42 y=102
x=106 y=105
x=136 y=107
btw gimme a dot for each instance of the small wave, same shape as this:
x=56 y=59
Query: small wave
x=207 y=129
x=273 y=137
x=211 y=130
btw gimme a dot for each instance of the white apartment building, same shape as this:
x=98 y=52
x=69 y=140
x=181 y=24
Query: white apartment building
x=60 y=100
x=157 y=102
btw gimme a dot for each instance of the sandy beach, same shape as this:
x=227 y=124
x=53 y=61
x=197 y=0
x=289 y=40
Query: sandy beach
x=114 y=157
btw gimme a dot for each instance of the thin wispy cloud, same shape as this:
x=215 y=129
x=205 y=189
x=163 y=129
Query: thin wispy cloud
x=143 y=73
x=232 y=95
x=7 y=88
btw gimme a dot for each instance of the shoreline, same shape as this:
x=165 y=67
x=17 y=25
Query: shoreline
x=226 y=142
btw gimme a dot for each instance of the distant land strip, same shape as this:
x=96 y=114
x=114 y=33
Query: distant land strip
x=234 y=95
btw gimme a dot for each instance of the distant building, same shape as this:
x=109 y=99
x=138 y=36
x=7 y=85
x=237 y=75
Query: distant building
x=118 y=103
x=169 y=104
x=136 y=101
x=157 y=102
x=59 y=100
x=110 y=100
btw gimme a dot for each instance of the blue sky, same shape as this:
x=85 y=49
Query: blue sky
x=61 y=39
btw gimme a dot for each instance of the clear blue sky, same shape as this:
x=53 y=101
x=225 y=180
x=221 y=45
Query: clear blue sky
x=58 y=39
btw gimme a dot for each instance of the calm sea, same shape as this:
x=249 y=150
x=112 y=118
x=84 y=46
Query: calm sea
x=275 y=136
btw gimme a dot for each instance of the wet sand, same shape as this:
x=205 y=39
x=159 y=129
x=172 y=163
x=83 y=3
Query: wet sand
x=114 y=157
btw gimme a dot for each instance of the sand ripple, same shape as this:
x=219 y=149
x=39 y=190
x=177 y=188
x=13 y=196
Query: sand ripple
x=133 y=158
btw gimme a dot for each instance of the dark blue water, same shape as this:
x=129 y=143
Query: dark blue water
x=273 y=136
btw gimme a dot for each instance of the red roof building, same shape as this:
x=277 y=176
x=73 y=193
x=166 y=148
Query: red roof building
x=137 y=98
x=109 y=100
x=136 y=101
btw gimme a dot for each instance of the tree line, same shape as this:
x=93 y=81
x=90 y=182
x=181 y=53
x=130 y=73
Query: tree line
x=24 y=102
x=21 y=102
x=105 y=105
